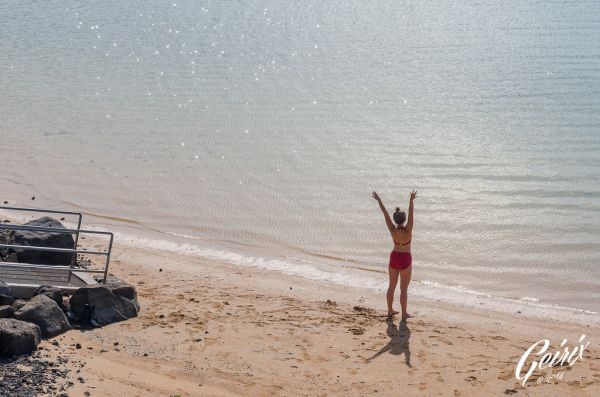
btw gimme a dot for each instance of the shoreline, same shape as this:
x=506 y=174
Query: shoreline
x=536 y=290
x=212 y=328
x=427 y=291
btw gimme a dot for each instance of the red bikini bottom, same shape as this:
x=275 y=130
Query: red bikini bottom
x=400 y=260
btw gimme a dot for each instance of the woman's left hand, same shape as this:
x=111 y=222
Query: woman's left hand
x=375 y=196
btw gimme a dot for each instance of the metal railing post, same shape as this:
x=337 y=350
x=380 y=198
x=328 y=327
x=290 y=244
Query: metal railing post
x=76 y=240
x=110 y=244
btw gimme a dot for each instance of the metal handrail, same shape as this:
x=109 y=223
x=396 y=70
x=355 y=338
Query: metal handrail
x=49 y=267
x=40 y=210
x=51 y=249
x=45 y=211
x=50 y=229
x=74 y=250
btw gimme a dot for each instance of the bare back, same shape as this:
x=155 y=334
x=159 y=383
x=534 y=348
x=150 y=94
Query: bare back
x=402 y=239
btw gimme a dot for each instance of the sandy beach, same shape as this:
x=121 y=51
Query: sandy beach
x=232 y=148
x=213 y=329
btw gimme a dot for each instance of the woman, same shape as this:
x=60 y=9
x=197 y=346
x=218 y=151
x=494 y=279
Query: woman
x=400 y=258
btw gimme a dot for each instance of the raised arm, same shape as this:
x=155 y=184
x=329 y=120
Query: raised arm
x=386 y=215
x=409 y=223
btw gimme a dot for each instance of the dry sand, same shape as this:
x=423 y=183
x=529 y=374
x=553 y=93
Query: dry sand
x=213 y=329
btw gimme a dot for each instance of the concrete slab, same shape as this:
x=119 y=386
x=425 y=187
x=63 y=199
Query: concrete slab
x=24 y=279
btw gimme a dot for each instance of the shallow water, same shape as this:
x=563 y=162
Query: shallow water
x=259 y=129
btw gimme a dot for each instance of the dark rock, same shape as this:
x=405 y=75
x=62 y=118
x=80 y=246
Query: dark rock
x=6 y=300
x=10 y=256
x=109 y=307
x=46 y=313
x=18 y=337
x=45 y=239
x=6 y=311
x=123 y=289
x=17 y=304
x=51 y=292
x=5 y=289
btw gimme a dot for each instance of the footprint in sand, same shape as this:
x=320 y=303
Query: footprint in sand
x=479 y=362
x=176 y=317
x=473 y=380
x=357 y=330
x=441 y=339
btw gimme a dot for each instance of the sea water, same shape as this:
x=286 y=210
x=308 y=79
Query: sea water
x=255 y=131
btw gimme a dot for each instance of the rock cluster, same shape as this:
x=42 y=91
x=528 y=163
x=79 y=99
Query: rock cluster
x=49 y=313
x=46 y=314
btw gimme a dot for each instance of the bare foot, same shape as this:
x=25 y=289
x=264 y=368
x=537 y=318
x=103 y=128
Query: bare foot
x=391 y=314
x=406 y=316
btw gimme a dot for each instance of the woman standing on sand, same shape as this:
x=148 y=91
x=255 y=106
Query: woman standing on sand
x=400 y=258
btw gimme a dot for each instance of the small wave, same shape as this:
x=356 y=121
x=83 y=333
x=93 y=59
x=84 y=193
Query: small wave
x=186 y=236
x=529 y=299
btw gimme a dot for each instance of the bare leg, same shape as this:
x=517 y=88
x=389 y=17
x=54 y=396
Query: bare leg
x=404 y=281
x=391 y=289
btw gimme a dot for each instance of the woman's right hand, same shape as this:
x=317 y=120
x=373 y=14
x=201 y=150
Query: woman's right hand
x=375 y=195
x=413 y=195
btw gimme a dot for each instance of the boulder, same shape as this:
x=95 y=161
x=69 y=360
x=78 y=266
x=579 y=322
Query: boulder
x=17 y=304
x=51 y=292
x=109 y=307
x=123 y=289
x=18 y=337
x=46 y=313
x=6 y=300
x=5 y=289
x=44 y=239
x=6 y=311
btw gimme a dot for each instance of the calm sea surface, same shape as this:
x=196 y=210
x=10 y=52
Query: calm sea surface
x=254 y=131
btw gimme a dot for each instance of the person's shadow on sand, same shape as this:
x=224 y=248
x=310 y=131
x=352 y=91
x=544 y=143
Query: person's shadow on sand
x=399 y=341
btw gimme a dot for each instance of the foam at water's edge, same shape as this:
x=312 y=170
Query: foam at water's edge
x=375 y=282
